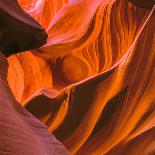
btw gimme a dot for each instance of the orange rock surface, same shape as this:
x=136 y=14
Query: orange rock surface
x=93 y=83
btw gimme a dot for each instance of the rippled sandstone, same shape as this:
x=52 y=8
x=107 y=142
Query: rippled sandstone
x=93 y=82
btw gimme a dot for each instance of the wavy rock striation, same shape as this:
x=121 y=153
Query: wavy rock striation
x=93 y=82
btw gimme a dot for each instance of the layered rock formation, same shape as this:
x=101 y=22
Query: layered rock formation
x=93 y=82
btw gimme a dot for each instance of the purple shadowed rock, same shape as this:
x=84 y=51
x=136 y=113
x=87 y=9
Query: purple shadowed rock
x=20 y=132
x=148 y=4
x=18 y=31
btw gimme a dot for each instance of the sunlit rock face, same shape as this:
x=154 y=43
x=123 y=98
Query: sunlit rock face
x=20 y=132
x=93 y=82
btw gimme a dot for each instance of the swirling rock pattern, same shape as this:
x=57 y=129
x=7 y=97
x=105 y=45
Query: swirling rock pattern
x=20 y=132
x=93 y=83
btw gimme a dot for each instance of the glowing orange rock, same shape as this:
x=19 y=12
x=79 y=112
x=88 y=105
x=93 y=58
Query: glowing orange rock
x=93 y=83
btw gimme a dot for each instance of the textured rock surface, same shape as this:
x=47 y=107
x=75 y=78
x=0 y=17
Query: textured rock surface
x=20 y=132
x=93 y=83
x=18 y=31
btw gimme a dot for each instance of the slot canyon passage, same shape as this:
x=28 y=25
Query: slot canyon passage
x=77 y=77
